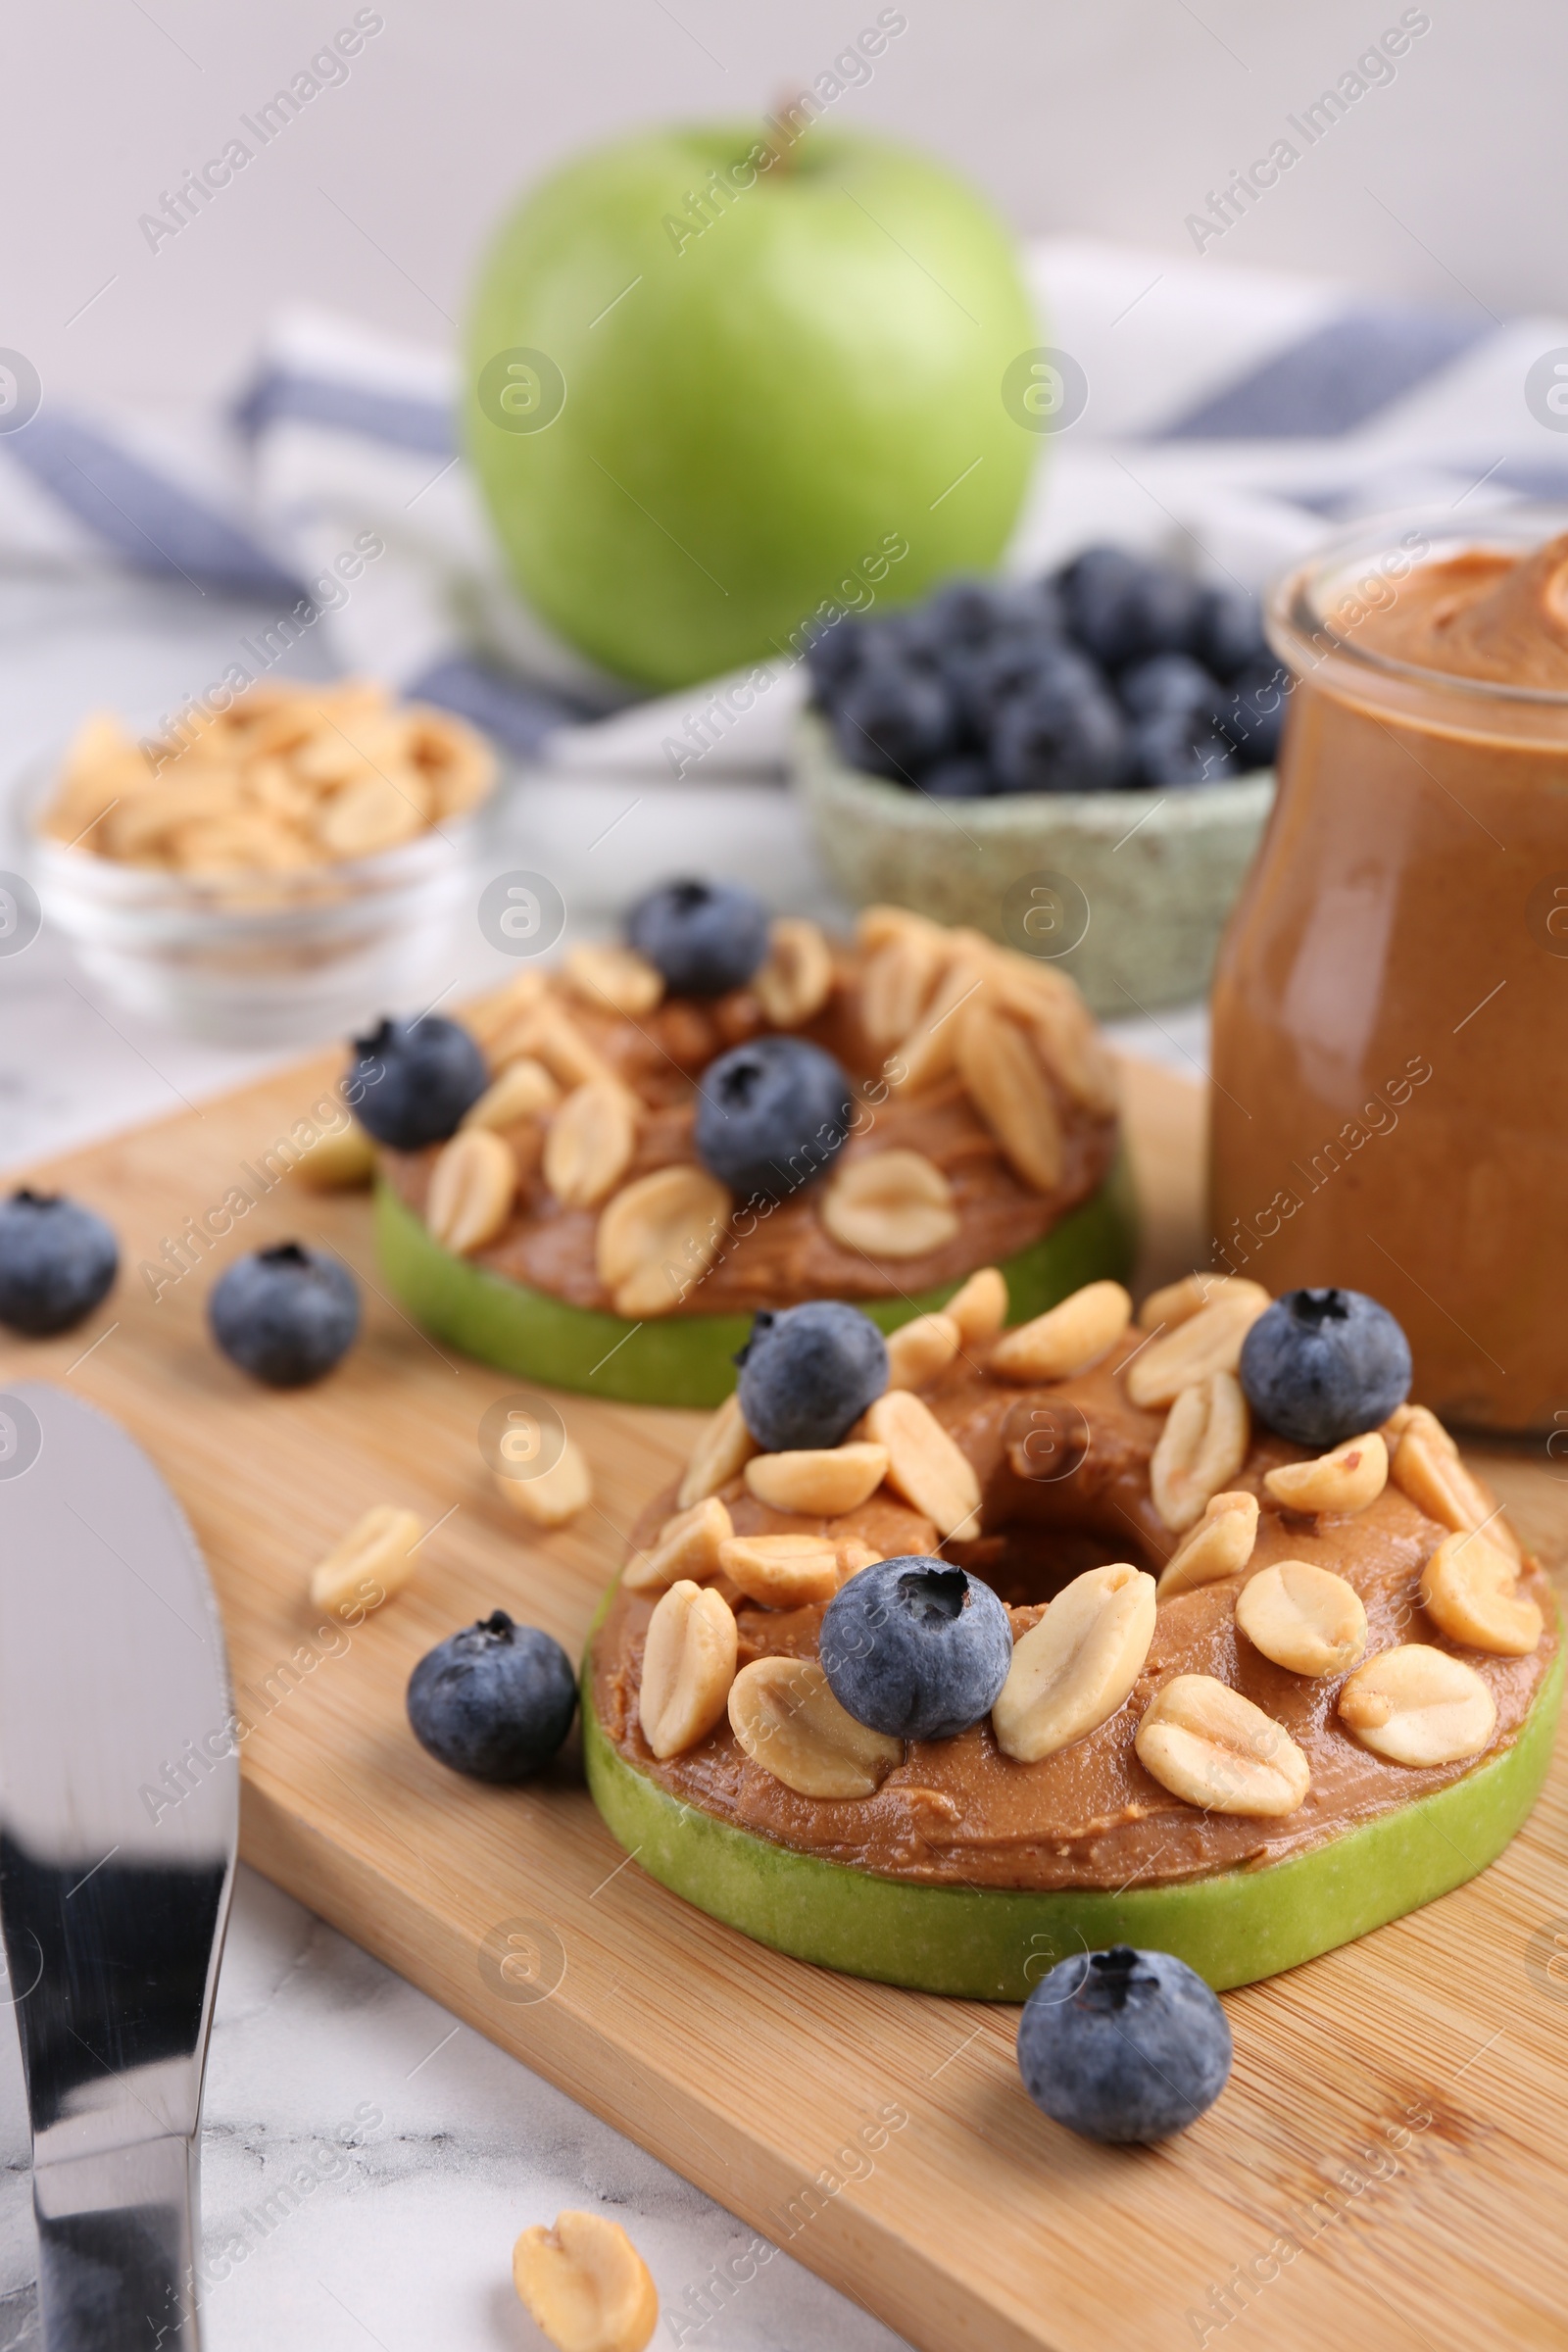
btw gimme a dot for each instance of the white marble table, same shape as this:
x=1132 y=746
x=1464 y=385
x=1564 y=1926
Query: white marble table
x=406 y=2239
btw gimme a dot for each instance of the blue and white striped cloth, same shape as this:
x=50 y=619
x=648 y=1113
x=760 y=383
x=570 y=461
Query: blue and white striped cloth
x=1235 y=414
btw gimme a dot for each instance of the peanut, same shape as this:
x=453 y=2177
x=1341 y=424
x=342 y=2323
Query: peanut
x=1417 y=1705
x=1302 y=1617
x=896 y=981
x=1438 y=1483
x=686 y=1545
x=1414 y=1421
x=585 y=2285
x=524 y=1090
x=615 y=979
x=549 y=1034
x=1220 y=1545
x=1200 y=1449
x=688 y=1667
x=1179 y=1302
x=889 y=1204
x=375 y=1557
x=341 y=1162
x=1074 y=1668
x=781 y=1572
x=796 y=978
x=1212 y=1748
x=931 y=1047
x=558 y=1493
x=980 y=1308
x=658 y=1238
x=1074 y=1048
x=824 y=1481
x=852 y=1554
x=494 y=1014
x=1208 y=1341
x=720 y=1454
x=589 y=1144
x=1468 y=1589
x=918 y=1351
x=1347 y=1480
x=924 y=1465
x=1005 y=1081
x=1066 y=1338
x=472 y=1186
x=788 y=1721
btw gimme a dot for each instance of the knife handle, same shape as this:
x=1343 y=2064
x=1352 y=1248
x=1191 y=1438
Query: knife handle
x=116 y=2249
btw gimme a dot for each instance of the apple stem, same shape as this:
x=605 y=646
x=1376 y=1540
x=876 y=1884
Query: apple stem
x=781 y=139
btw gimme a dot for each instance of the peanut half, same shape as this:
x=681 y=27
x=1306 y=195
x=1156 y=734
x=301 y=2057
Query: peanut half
x=375 y=1558
x=1208 y=1341
x=796 y=978
x=1347 y=1479
x=890 y=1204
x=918 y=1351
x=558 y=1493
x=720 y=1454
x=786 y=1718
x=1179 y=1302
x=930 y=1048
x=1302 y=1617
x=1469 y=1591
x=896 y=980
x=924 y=1465
x=472 y=1186
x=686 y=1545
x=1418 y=1705
x=1200 y=1449
x=1210 y=1746
x=782 y=1572
x=615 y=979
x=589 y=1143
x=1438 y=1483
x=658 y=1238
x=1220 y=1545
x=584 y=2286
x=1415 y=1421
x=1073 y=1670
x=980 y=1308
x=688 y=1667
x=824 y=1481
x=343 y=1161
x=1004 y=1080
x=524 y=1090
x=1066 y=1338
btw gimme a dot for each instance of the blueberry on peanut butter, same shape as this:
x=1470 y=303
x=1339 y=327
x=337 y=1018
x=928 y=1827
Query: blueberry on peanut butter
x=771 y=1116
x=412 y=1081
x=808 y=1374
x=1319 y=1366
x=1124 y=2045
x=705 y=937
x=917 y=1647
x=57 y=1259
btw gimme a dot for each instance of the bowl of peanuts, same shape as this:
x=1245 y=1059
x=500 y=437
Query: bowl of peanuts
x=271 y=872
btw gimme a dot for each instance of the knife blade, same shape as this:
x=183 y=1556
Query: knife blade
x=119 y=1823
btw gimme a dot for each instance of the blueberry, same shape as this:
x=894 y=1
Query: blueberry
x=495 y=1700
x=917 y=1647
x=808 y=1373
x=832 y=658
x=1122 y=606
x=1253 y=712
x=1319 y=1366
x=968 y=612
x=1230 y=631
x=1122 y=2045
x=1063 y=735
x=57 y=1259
x=894 y=719
x=772 y=1115
x=409 y=1082
x=1021 y=657
x=706 y=937
x=1169 y=682
x=1178 y=747
x=284 y=1314
x=967 y=777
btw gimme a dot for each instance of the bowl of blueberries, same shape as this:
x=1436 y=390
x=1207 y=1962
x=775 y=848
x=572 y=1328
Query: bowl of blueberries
x=1099 y=743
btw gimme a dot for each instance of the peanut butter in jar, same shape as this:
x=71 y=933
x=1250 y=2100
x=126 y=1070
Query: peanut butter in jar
x=1391 y=1004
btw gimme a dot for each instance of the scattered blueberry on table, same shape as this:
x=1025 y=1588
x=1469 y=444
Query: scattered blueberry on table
x=807 y=1373
x=1115 y=671
x=705 y=937
x=285 y=1314
x=1320 y=1366
x=1124 y=2045
x=57 y=1260
x=772 y=1115
x=917 y=1647
x=409 y=1082
x=495 y=1700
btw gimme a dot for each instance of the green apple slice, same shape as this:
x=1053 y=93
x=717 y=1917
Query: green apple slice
x=689 y=1359
x=996 y=1944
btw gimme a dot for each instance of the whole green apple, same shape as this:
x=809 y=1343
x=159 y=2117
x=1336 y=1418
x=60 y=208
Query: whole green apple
x=719 y=383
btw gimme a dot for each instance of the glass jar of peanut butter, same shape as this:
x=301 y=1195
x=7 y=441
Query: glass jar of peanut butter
x=1391 y=1002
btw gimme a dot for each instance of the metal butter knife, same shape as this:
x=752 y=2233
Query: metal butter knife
x=118 y=1820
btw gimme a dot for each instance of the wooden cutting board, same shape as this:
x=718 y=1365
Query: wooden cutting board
x=1384 y=2166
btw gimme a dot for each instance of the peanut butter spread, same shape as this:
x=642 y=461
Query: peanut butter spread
x=1481 y=614
x=774 y=1256
x=1064 y=1476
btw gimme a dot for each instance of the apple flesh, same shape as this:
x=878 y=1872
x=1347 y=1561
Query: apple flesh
x=731 y=423
x=690 y=1360
x=994 y=1944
